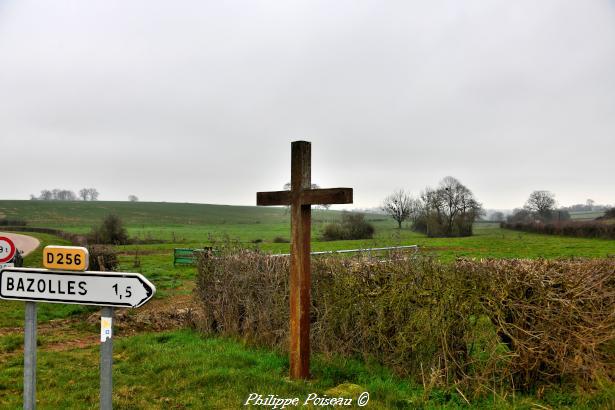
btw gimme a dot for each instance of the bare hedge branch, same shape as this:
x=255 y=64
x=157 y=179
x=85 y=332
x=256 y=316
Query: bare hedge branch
x=522 y=323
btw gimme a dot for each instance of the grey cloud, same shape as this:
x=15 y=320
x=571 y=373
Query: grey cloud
x=506 y=96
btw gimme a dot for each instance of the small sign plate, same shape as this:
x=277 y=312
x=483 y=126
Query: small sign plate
x=75 y=258
x=106 y=328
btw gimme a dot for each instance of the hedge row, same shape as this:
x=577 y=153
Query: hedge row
x=12 y=222
x=515 y=323
x=582 y=229
x=80 y=239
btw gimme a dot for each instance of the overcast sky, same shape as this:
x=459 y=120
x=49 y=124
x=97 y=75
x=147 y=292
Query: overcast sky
x=198 y=101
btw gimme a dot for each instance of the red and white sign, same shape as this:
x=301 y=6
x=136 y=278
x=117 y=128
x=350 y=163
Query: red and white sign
x=7 y=249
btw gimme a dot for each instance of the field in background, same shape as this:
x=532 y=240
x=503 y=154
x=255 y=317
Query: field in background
x=254 y=227
x=182 y=368
x=79 y=214
x=586 y=215
x=194 y=225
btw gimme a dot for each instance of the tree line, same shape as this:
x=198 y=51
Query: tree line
x=86 y=194
x=541 y=206
x=450 y=209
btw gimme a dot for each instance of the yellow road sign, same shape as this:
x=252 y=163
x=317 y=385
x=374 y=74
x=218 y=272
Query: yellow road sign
x=66 y=257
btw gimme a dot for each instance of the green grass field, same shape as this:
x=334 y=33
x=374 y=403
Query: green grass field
x=182 y=369
x=79 y=214
x=193 y=225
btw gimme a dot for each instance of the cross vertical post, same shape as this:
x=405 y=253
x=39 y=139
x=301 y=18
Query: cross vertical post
x=300 y=272
x=301 y=197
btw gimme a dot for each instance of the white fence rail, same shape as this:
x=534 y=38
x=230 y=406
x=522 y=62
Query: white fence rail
x=363 y=250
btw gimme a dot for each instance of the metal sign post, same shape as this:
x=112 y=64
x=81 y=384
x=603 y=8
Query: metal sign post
x=106 y=358
x=106 y=352
x=29 y=360
x=8 y=252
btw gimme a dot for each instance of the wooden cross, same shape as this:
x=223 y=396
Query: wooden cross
x=301 y=198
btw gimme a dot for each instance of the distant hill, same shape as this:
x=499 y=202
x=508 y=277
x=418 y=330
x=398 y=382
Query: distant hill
x=82 y=213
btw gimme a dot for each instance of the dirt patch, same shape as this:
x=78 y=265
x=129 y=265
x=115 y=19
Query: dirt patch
x=77 y=340
x=59 y=334
x=176 y=312
x=164 y=314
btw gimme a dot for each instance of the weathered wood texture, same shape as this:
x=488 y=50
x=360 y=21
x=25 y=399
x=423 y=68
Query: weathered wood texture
x=301 y=198
x=306 y=197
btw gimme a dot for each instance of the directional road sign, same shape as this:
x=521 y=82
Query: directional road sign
x=116 y=289
x=7 y=249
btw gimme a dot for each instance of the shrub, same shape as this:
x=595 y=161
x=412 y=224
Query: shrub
x=352 y=226
x=111 y=232
x=473 y=324
x=18 y=259
x=556 y=317
x=609 y=214
x=105 y=254
x=446 y=211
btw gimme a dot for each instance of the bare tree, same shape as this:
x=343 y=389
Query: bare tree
x=398 y=205
x=64 y=195
x=133 y=198
x=449 y=210
x=455 y=198
x=56 y=195
x=520 y=215
x=93 y=193
x=542 y=203
x=46 y=195
x=84 y=193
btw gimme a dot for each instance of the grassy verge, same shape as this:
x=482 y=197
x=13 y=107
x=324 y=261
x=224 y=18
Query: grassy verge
x=181 y=369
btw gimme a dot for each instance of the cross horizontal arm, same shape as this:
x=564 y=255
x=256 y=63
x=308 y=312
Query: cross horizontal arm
x=307 y=197
x=273 y=198
x=326 y=196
